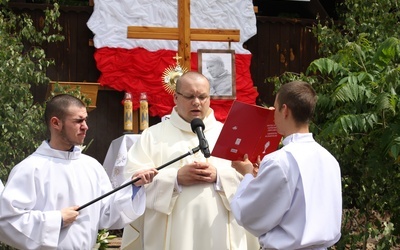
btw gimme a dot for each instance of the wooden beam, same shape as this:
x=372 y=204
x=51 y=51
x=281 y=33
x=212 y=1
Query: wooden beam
x=163 y=33
x=215 y=35
x=90 y=89
x=184 y=32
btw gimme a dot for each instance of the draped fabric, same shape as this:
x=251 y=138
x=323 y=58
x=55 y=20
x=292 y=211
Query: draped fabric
x=137 y=65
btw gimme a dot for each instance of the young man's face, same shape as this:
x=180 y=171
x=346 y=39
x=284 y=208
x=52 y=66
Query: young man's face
x=74 y=127
x=193 y=99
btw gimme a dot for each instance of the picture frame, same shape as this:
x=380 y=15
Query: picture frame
x=219 y=68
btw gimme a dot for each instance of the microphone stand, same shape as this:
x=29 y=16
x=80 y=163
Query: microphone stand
x=192 y=151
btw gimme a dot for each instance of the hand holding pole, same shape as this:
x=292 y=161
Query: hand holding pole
x=191 y=152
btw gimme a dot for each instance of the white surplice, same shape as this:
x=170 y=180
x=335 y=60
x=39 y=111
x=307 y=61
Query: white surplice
x=196 y=217
x=295 y=201
x=49 y=180
x=1 y=186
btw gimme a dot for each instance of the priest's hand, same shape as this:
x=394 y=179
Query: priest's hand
x=246 y=166
x=146 y=176
x=69 y=215
x=196 y=173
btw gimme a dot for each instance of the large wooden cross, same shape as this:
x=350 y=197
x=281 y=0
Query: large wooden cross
x=183 y=33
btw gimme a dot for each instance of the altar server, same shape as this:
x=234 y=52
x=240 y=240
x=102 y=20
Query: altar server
x=38 y=208
x=294 y=201
x=188 y=201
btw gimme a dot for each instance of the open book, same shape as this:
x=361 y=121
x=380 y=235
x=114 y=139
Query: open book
x=248 y=129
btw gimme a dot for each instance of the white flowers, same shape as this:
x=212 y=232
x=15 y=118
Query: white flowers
x=103 y=238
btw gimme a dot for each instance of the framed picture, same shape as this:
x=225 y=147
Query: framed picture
x=219 y=68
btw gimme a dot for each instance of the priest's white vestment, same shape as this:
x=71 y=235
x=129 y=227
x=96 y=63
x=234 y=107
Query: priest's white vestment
x=50 y=180
x=295 y=202
x=196 y=217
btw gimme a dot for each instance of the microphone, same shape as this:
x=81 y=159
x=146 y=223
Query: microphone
x=198 y=127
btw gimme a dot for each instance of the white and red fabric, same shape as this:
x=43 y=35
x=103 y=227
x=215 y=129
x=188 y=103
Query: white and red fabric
x=137 y=65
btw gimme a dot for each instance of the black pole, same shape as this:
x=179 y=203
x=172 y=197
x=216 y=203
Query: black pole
x=194 y=150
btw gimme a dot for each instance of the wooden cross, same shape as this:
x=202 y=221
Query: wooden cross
x=184 y=34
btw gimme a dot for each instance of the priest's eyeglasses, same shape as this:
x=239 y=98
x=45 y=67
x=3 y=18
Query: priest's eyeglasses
x=201 y=98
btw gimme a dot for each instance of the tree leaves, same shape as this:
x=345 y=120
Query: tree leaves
x=22 y=63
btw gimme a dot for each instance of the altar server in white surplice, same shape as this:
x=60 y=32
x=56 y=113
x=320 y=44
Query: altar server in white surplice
x=188 y=202
x=295 y=200
x=1 y=186
x=39 y=202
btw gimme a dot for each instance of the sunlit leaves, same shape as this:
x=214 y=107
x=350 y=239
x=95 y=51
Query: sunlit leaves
x=387 y=52
x=357 y=115
x=22 y=63
x=325 y=66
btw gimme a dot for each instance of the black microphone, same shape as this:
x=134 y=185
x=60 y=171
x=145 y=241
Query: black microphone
x=198 y=127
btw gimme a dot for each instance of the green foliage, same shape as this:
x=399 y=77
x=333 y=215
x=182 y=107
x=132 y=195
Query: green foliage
x=357 y=116
x=103 y=238
x=22 y=64
x=374 y=19
x=364 y=125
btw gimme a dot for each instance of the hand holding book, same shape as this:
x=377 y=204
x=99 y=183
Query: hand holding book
x=245 y=166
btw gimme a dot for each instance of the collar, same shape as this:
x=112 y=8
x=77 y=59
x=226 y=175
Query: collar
x=298 y=137
x=45 y=150
x=177 y=121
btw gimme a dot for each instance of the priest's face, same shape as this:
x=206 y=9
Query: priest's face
x=74 y=127
x=192 y=98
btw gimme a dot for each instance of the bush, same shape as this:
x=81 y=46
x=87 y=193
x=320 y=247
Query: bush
x=22 y=64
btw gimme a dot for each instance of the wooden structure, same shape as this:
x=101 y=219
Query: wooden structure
x=88 y=89
x=281 y=44
x=184 y=34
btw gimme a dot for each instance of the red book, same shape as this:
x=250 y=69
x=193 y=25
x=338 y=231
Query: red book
x=248 y=129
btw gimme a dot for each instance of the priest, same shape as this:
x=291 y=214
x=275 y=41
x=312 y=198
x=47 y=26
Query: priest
x=188 y=202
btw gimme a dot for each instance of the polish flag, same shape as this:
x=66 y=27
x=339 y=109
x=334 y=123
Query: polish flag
x=137 y=65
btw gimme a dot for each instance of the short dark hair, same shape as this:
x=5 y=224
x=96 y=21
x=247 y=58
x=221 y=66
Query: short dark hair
x=58 y=105
x=300 y=98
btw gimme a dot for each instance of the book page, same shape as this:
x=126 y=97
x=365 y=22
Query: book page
x=248 y=129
